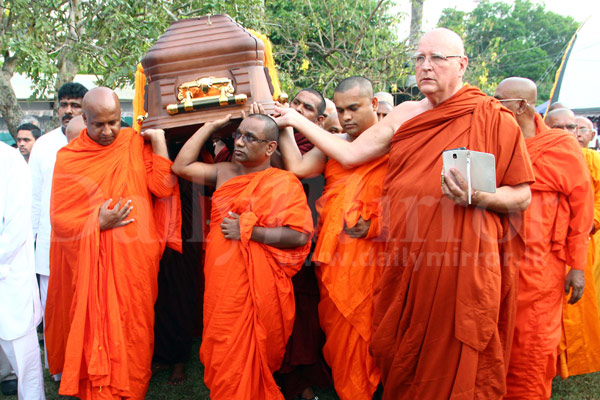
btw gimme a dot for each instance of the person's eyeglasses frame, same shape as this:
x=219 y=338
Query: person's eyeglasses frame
x=434 y=59
x=248 y=139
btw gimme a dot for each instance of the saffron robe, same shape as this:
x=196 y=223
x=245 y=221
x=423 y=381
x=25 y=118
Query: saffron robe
x=444 y=308
x=348 y=270
x=556 y=228
x=249 y=299
x=579 y=349
x=108 y=279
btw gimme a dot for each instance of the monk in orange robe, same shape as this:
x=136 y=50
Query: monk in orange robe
x=349 y=250
x=579 y=349
x=444 y=307
x=111 y=236
x=259 y=237
x=556 y=228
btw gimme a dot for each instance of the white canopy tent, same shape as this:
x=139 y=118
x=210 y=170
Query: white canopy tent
x=577 y=83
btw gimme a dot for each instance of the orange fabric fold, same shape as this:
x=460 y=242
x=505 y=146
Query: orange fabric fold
x=444 y=308
x=579 y=349
x=109 y=341
x=348 y=270
x=249 y=298
x=556 y=227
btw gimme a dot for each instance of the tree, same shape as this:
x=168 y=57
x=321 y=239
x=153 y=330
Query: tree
x=503 y=40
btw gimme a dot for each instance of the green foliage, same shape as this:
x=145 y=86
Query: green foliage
x=504 y=40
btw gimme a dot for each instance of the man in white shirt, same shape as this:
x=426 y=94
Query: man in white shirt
x=41 y=164
x=20 y=310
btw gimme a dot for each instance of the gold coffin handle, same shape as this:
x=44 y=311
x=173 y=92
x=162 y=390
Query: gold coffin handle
x=206 y=102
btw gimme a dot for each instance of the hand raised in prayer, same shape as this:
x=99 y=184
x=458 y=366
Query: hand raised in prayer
x=454 y=187
x=230 y=227
x=115 y=217
x=359 y=230
x=576 y=280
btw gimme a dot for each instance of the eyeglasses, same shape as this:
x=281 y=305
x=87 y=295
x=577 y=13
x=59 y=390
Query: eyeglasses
x=503 y=100
x=584 y=129
x=248 y=139
x=567 y=127
x=435 y=59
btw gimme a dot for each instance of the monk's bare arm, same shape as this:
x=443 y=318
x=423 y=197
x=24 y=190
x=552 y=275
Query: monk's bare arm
x=281 y=237
x=371 y=144
x=312 y=163
x=186 y=164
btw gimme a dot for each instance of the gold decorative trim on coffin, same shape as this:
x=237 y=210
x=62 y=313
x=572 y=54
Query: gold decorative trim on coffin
x=204 y=93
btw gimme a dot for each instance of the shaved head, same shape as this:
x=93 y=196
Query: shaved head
x=518 y=88
x=385 y=96
x=102 y=115
x=74 y=127
x=585 y=131
x=449 y=41
x=561 y=118
x=270 y=128
x=329 y=107
x=556 y=106
x=365 y=86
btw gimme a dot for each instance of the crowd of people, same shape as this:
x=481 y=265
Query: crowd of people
x=324 y=245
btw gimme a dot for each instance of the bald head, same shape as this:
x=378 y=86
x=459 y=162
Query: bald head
x=329 y=107
x=517 y=88
x=74 y=127
x=561 y=118
x=102 y=115
x=556 y=106
x=451 y=42
x=385 y=96
x=585 y=131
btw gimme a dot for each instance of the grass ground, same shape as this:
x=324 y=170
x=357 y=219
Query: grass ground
x=583 y=387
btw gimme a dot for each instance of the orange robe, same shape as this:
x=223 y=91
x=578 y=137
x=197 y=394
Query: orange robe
x=105 y=350
x=579 y=349
x=249 y=298
x=556 y=228
x=444 y=308
x=348 y=270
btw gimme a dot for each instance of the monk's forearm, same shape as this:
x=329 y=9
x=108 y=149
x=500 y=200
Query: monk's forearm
x=289 y=151
x=506 y=199
x=159 y=144
x=190 y=151
x=281 y=237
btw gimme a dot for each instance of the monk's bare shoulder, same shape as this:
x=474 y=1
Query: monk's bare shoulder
x=406 y=111
x=225 y=172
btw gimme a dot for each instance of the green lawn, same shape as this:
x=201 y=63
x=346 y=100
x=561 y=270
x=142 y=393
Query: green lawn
x=583 y=387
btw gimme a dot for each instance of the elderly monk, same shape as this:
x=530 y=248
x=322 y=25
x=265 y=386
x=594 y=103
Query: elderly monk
x=347 y=248
x=444 y=308
x=107 y=239
x=555 y=230
x=383 y=110
x=259 y=237
x=579 y=350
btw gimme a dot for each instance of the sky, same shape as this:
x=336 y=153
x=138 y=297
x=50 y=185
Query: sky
x=578 y=9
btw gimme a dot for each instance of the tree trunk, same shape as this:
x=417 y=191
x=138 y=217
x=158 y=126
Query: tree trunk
x=67 y=65
x=416 y=21
x=10 y=109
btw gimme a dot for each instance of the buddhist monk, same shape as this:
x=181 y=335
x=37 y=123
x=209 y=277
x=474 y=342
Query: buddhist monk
x=347 y=248
x=259 y=237
x=579 y=349
x=555 y=230
x=383 y=110
x=561 y=118
x=108 y=236
x=331 y=123
x=444 y=307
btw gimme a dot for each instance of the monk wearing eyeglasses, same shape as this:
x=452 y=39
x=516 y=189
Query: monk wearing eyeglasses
x=579 y=349
x=259 y=237
x=555 y=229
x=444 y=306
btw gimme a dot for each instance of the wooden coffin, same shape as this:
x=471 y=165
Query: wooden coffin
x=211 y=62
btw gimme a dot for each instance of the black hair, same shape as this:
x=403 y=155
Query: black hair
x=364 y=84
x=71 y=90
x=35 y=131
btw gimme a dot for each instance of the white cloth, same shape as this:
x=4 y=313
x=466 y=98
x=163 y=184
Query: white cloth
x=41 y=164
x=6 y=371
x=20 y=309
x=24 y=356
